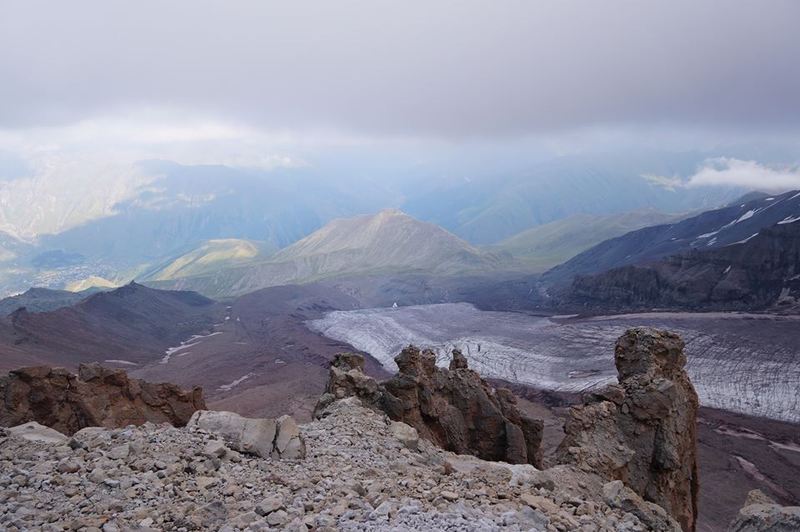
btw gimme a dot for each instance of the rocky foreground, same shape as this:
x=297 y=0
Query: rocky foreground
x=429 y=449
x=361 y=472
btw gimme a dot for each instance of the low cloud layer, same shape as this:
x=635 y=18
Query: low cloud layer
x=448 y=69
x=745 y=174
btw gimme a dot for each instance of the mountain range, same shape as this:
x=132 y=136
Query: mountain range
x=170 y=209
x=389 y=242
x=760 y=272
x=545 y=246
x=716 y=228
x=742 y=257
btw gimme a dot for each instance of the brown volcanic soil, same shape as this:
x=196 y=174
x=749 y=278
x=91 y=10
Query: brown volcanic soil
x=262 y=340
x=132 y=323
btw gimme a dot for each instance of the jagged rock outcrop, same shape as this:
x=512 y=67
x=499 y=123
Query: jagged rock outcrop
x=97 y=396
x=264 y=437
x=453 y=408
x=346 y=378
x=642 y=431
x=762 y=514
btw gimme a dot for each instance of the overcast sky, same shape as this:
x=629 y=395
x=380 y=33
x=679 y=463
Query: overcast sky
x=266 y=83
x=418 y=68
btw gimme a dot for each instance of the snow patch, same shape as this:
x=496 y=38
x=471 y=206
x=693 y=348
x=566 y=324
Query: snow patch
x=739 y=432
x=789 y=220
x=746 y=240
x=125 y=362
x=752 y=470
x=785 y=446
x=746 y=216
x=237 y=382
x=186 y=344
x=707 y=235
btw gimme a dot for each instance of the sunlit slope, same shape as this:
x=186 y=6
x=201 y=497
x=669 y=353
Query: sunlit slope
x=387 y=242
x=212 y=255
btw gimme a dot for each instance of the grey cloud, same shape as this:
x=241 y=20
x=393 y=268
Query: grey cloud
x=417 y=68
x=746 y=174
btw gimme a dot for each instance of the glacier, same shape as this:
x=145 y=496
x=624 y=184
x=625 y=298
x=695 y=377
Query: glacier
x=739 y=362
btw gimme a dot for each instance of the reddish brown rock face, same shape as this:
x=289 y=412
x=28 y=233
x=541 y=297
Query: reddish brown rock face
x=644 y=430
x=459 y=411
x=453 y=408
x=97 y=396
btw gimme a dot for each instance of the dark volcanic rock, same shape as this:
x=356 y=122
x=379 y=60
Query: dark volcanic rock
x=643 y=431
x=759 y=273
x=710 y=230
x=454 y=408
x=97 y=396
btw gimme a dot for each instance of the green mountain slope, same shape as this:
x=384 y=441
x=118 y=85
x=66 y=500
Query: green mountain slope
x=544 y=246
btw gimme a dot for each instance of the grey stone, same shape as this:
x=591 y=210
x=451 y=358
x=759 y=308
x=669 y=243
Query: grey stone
x=405 y=434
x=33 y=431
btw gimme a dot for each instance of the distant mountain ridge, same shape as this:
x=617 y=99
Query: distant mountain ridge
x=133 y=323
x=179 y=208
x=545 y=246
x=389 y=241
x=712 y=229
x=758 y=273
x=41 y=300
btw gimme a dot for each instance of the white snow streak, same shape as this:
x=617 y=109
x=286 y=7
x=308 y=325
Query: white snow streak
x=237 y=382
x=789 y=220
x=746 y=216
x=746 y=240
x=186 y=344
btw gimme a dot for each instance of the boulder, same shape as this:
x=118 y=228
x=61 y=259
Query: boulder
x=264 y=437
x=454 y=408
x=617 y=495
x=643 y=431
x=762 y=514
x=405 y=434
x=97 y=396
x=289 y=444
x=33 y=431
